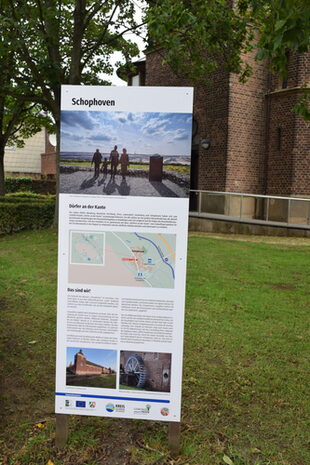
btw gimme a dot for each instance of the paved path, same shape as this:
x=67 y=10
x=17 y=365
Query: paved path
x=81 y=182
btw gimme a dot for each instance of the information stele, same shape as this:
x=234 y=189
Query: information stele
x=123 y=219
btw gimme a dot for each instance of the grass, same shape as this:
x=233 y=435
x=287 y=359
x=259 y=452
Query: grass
x=246 y=359
x=129 y=388
x=108 y=381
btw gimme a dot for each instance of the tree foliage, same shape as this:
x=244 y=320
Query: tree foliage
x=282 y=25
x=206 y=33
x=67 y=42
x=19 y=119
x=198 y=35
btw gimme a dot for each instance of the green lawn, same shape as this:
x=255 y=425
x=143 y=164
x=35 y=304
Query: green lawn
x=98 y=381
x=246 y=361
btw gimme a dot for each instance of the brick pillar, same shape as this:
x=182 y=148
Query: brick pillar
x=48 y=163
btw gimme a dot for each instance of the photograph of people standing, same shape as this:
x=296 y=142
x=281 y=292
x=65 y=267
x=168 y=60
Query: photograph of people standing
x=124 y=163
x=139 y=154
x=97 y=159
x=114 y=159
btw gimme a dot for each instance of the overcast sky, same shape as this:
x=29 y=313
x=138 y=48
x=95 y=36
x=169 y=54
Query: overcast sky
x=141 y=133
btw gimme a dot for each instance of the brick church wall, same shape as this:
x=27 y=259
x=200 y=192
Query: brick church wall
x=301 y=159
x=246 y=130
x=280 y=144
x=213 y=123
x=289 y=135
x=288 y=148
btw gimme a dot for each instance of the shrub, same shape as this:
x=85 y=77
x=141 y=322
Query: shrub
x=17 y=213
x=25 y=196
x=42 y=186
x=18 y=184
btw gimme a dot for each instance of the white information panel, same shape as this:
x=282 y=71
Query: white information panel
x=123 y=219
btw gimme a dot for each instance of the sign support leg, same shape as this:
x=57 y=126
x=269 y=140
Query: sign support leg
x=61 y=430
x=174 y=438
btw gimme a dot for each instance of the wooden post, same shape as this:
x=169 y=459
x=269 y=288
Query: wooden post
x=61 y=430
x=174 y=438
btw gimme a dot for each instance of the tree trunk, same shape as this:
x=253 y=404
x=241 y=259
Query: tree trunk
x=2 y=181
x=77 y=37
x=57 y=122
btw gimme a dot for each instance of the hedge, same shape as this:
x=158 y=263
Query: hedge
x=17 y=213
x=26 y=196
x=43 y=186
x=18 y=184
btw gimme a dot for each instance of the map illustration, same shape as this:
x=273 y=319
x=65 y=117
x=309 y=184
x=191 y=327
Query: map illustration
x=87 y=248
x=130 y=259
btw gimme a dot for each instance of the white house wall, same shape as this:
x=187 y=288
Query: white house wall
x=27 y=159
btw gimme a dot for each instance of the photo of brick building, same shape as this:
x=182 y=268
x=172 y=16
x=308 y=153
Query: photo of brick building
x=82 y=366
x=82 y=371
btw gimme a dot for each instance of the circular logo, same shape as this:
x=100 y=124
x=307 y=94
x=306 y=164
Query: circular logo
x=110 y=407
x=164 y=411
